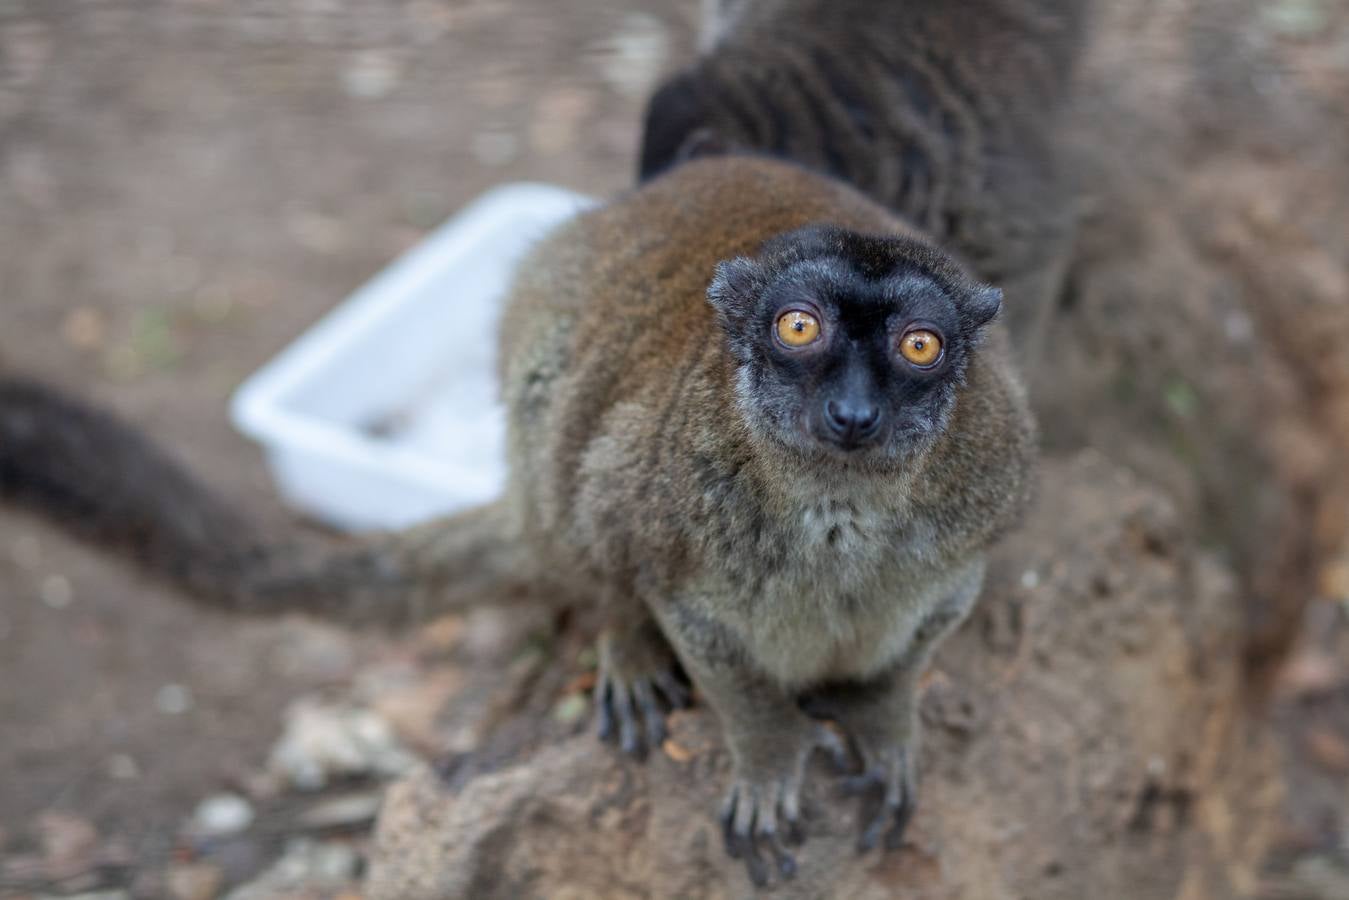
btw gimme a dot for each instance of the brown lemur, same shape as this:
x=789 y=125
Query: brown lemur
x=763 y=422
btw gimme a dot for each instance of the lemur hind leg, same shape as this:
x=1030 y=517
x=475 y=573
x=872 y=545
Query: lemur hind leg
x=880 y=719
x=639 y=682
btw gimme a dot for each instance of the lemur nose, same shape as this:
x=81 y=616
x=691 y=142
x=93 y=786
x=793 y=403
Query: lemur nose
x=852 y=421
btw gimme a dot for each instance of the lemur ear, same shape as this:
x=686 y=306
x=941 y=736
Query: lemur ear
x=677 y=127
x=733 y=289
x=734 y=293
x=981 y=305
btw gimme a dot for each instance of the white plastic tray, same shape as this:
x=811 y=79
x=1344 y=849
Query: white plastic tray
x=385 y=413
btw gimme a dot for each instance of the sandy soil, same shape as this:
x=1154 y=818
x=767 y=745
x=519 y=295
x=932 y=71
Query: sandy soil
x=184 y=186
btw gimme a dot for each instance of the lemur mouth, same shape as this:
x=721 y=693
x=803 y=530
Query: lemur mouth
x=847 y=444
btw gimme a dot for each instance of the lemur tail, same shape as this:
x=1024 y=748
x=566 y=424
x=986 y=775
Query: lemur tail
x=97 y=477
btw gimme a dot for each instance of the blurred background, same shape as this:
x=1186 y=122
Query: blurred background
x=185 y=185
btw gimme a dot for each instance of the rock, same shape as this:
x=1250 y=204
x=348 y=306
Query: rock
x=632 y=59
x=67 y=840
x=221 y=815
x=571 y=708
x=1328 y=749
x=123 y=767
x=495 y=148
x=372 y=75
x=326 y=741
x=194 y=881
x=1311 y=673
x=26 y=552
x=1313 y=877
x=1297 y=18
x=315 y=650
x=84 y=328
x=56 y=591
x=242 y=857
x=349 y=811
x=68 y=851
x=306 y=868
x=174 y=699
x=411 y=699
x=1072 y=745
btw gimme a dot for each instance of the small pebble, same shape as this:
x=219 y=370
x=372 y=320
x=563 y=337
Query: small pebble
x=26 y=552
x=221 y=815
x=83 y=328
x=372 y=75
x=332 y=862
x=1239 y=328
x=1296 y=18
x=322 y=742
x=342 y=812
x=123 y=767
x=1328 y=749
x=307 y=868
x=677 y=752
x=570 y=708
x=495 y=148
x=67 y=840
x=633 y=58
x=1030 y=579
x=194 y=881
x=173 y=699
x=56 y=591
x=1335 y=580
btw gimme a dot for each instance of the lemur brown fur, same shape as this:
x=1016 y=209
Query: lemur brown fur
x=647 y=476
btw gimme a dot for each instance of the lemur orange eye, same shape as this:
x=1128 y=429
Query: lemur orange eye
x=920 y=347
x=798 y=328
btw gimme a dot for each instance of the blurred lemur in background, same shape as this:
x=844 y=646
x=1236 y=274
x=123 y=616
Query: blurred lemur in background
x=946 y=111
x=763 y=421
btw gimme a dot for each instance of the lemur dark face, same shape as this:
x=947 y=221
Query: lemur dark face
x=848 y=344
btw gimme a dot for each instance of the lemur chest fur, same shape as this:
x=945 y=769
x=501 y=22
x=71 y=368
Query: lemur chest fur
x=843 y=598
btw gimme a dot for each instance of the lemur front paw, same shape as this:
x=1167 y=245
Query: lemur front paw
x=762 y=810
x=884 y=734
x=639 y=682
x=888 y=785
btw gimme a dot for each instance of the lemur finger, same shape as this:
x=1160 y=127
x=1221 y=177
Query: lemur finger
x=652 y=716
x=749 y=821
x=791 y=817
x=875 y=812
x=871 y=835
x=782 y=858
x=604 y=714
x=628 y=740
x=901 y=816
x=754 y=864
x=728 y=809
x=835 y=747
x=855 y=785
x=900 y=798
x=675 y=693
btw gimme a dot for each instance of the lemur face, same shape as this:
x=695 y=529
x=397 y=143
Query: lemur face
x=849 y=345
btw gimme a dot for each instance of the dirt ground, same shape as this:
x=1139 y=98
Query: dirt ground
x=185 y=185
